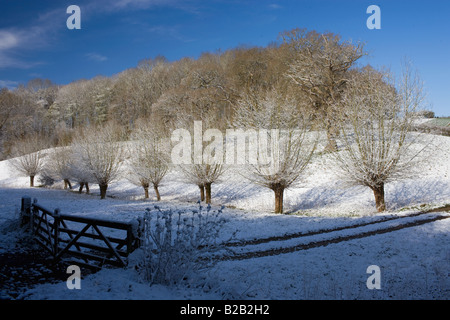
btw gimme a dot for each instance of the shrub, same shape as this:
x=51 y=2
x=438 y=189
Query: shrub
x=177 y=245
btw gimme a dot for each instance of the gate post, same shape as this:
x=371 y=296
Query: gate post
x=34 y=211
x=25 y=210
x=56 y=218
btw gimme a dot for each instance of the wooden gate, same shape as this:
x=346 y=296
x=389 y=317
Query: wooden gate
x=94 y=242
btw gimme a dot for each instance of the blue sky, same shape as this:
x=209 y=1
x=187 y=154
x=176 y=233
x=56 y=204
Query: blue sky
x=116 y=35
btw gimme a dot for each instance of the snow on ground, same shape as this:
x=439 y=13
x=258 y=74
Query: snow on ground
x=414 y=262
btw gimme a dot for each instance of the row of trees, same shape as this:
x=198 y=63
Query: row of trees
x=373 y=134
x=305 y=84
x=96 y=155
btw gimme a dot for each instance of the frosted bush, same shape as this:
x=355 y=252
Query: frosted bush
x=178 y=245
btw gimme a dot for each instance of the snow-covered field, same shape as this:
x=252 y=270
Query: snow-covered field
x=414 y=262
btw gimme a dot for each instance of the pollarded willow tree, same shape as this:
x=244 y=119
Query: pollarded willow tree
x=78 y=171
x=283 y=139
x=203 y=175
x=377 y=143
x=29 y=157
x=198 y=165
x=202 y=102
x=149 y=158
x=100 y=154
x=59 y=164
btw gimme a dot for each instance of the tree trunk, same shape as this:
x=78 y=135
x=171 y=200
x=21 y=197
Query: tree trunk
x=331 y=137
x=202 y=192
x=158 y=196
x=208 y=192
x=87 y=187
x=378 y=192
x=31 y=181
x=279 y=191
x=81 y=187
x=103 y=188
x=67 y=184
x=145 y=186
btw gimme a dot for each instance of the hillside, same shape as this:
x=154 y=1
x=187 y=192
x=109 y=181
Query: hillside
x=414 y=259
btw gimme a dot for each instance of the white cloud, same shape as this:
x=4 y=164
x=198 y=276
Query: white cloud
x=121 y=5
x=8 y=40
x=171 y=32
x=275 y=6
x=8 y=84
x=17 y=41
x=140 y=4
x=96 y=57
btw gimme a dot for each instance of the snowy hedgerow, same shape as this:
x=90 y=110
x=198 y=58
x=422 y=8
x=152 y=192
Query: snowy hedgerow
x=177 y=245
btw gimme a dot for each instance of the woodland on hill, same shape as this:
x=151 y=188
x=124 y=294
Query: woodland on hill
x=305 y=84
x=309 y=68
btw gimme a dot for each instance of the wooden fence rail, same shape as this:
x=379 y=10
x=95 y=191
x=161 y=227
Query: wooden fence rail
x=95 y=241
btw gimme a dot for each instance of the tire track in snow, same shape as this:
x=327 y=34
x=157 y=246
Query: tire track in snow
x=317 y=232
x=330 y=240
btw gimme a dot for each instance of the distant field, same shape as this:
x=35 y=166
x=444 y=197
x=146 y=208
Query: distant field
x=439 y=126
x=441 y=122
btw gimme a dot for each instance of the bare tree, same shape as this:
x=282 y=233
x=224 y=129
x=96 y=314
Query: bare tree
x=285 y=143
x=78 y=170
x=29 y=157
x=208 y=169
x=202 y=98
x=59 y=164
x=20 y=116
x=102 y=154
x=149 y=158
x=320 y=68
x=203 y=175
x=137 y=90
x=375 y=130
x=7 y=105
x=71 y=104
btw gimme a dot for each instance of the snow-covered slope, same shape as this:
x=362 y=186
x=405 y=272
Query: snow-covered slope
x=414 y=261
x=320 y=192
